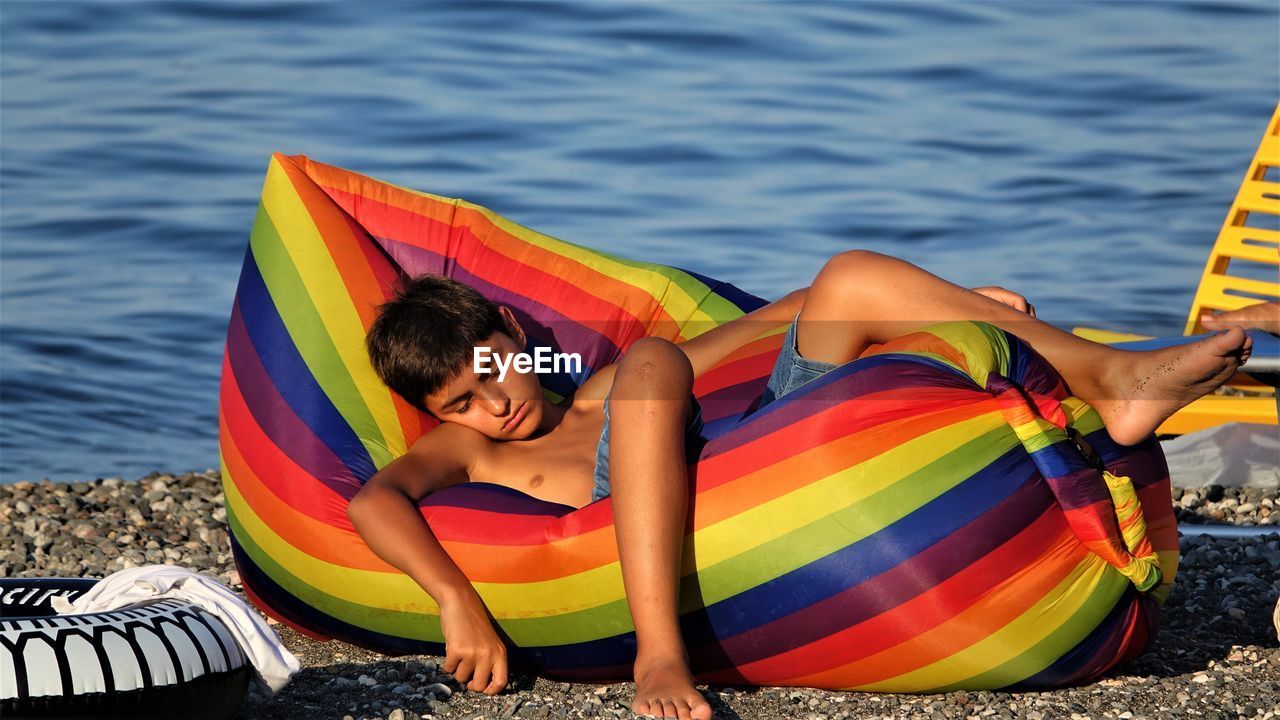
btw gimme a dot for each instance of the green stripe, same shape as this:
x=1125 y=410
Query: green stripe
x=397 y=623
x=850 y=524
x=713 y=584
x=309 y=335
x=564 y=629
x=1075 y=630
x=782 y=555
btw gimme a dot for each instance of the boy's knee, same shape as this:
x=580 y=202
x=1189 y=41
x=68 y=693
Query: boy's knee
x=846 y=275
x=851 y=262
x=649 y=357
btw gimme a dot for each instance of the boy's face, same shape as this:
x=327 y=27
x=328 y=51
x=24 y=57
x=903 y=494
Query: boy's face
x=510 y=409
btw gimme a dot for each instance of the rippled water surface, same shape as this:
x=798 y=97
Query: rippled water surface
x=1081 y=153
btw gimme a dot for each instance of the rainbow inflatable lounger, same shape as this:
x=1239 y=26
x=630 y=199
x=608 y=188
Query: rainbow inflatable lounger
x=929 y=516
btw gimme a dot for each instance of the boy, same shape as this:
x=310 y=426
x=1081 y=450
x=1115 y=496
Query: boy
x=505 y=431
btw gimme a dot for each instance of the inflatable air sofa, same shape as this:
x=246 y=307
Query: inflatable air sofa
x=939 y=514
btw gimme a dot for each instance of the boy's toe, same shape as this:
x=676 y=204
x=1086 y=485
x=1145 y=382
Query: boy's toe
x=700 y=708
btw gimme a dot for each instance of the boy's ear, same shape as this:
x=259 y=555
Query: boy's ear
x=513 y=326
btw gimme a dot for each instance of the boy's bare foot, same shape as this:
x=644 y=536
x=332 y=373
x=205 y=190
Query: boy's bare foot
x=1264 y=316
x=1150 y=386
x=664 y=688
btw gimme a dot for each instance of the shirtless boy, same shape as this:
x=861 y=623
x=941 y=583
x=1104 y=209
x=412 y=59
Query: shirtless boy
x=506 y=432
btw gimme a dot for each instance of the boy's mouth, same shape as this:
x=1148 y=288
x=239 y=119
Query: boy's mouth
x=515 y=419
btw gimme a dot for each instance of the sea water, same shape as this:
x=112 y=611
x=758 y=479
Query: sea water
x=1080 y=153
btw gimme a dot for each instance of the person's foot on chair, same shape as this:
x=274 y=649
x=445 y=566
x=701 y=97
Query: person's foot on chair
x=1264 y=316
x=1147 y=387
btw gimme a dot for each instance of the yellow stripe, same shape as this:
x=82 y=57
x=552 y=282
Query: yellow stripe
x=1081 y=415
x=602 y=585
x=1090 y=577
x=1038 y=433
x=310 y=257
x=643 y=275
x=823 y=498
x=366 y=587
x=983 y=346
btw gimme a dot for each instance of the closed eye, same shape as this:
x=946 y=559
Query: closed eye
x=491 y=375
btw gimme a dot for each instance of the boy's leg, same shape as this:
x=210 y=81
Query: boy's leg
x=861 y=297
x=650 y=489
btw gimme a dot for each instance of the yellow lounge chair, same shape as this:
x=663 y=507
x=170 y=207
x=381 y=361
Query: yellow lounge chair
x=1243 y=399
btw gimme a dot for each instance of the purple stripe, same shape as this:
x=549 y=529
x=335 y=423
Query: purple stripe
x=494 y=498
x=1079 y=488
x=540 y=321
x=1143 y=463
x=732 y=403
x=911 y=577
x=849 y=381
x=278 y=421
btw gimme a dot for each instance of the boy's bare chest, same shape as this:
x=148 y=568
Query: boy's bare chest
x=558 y=467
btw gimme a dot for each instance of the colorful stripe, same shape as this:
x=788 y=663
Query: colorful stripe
x=918 y=519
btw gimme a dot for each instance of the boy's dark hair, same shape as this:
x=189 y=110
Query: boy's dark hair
x=424 y=336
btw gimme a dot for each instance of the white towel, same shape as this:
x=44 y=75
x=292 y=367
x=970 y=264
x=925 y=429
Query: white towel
x=272 y=662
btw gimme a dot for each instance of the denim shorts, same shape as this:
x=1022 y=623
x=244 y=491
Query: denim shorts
x=792 y=369
x=693 y=442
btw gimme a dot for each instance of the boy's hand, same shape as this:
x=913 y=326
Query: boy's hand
x=472 y=648
x=1012 y=299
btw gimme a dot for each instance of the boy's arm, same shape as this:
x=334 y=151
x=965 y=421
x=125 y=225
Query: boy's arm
x=385 y=513
x=712 y=346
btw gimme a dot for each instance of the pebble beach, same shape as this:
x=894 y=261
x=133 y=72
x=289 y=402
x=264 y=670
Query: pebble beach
x=1216 y=656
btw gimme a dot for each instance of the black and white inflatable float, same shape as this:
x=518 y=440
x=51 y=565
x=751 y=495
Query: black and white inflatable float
x=161 y=658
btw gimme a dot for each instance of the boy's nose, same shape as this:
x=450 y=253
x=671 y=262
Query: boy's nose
x=498 y=403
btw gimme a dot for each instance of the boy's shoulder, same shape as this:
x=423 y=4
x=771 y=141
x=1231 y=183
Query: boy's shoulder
x=452 y=450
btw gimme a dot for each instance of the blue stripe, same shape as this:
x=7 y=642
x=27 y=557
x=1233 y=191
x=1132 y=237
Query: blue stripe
x=291 y=376
x=1098 y=650
x=1059 y=459
x=875 y=553
x=744 y=301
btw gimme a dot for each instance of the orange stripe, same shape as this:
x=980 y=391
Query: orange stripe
x=928 y=627
x=368 y=277
x=488 y=239
x=286 y=479
x=339 y=545
x=487 y=259
x=919 y=342
x=989 y=611
x=738 y=367
x=757 y=472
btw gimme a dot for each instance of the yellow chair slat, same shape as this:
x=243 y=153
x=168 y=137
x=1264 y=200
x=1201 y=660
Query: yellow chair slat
x=1255 y=196
x=1258 y=196
x=1252 y=244
x=1216 y=291
x=1269 y=153
x=1213 y=410
x=1107 y=337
